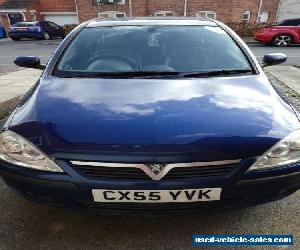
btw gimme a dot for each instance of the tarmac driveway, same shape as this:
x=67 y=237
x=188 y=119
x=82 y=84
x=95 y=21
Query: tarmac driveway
x=26 y=225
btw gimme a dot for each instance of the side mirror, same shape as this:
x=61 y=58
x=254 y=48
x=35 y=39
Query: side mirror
x=29 y=62
x=273 y=59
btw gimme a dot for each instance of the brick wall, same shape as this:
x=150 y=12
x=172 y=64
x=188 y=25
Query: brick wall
x=176 y=6
x=87 y=10
x=57 y=5
x=140 y=8
x=227 y=10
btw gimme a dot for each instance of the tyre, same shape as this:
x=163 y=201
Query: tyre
x=46 y=36
x=15 y=38
x=282 y=40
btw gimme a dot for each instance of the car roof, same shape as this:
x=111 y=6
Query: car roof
x=145 y=21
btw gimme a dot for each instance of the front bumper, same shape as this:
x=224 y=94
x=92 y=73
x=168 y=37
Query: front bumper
x=72 y=190
x=264 y=37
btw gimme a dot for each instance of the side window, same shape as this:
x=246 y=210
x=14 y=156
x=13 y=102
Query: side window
x=246 y=16
x=164 y=13
x=53 y=25
x=111 y=14
x=283 y=23
x=120 y=15
x=103 y=15
x=45 y=25
x=290 y=23
x=207 y=14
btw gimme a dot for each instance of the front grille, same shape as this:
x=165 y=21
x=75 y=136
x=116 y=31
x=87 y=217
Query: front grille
x=133 y=173
x=196 y=172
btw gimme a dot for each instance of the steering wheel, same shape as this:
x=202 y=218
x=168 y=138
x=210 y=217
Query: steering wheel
x=131 y=62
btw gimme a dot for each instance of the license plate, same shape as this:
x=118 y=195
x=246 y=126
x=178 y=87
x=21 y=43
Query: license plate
x=157 y=196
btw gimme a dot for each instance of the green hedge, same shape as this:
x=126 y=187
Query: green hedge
x=69 y=27
x=245 y=29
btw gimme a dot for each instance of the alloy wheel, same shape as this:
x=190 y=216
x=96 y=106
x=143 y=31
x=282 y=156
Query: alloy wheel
x=282 y=40
x=46 y=36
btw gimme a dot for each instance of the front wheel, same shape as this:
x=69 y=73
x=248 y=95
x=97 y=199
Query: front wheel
x=282 y=40
x=15 y=38
x=46 y=36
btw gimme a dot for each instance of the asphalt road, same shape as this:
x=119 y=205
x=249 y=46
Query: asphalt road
x=10 y=49
x=26 y=225
x=43 y=49
x=293 y=52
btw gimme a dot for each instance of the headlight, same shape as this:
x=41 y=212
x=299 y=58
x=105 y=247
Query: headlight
x=287 y=151
x=17 y=150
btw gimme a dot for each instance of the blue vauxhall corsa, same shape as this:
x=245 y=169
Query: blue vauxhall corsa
x=152 y=116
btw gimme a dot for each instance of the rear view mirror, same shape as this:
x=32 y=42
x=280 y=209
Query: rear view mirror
x=29 y=62
x=274 y=59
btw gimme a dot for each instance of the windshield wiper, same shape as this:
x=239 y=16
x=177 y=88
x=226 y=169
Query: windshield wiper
x=129 y=74
x=215 y=73
x=153 y=74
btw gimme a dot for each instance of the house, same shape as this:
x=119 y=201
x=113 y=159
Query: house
x=75 y=11
x=59 y=11
x=225 y=10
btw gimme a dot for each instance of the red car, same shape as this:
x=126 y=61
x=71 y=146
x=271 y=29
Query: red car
x=281 y=34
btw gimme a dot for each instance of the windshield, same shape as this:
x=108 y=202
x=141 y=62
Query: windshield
x=130 y=49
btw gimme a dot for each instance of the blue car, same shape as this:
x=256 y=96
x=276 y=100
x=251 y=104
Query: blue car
x=152 y=116
x=40 y=30
x=2 y=32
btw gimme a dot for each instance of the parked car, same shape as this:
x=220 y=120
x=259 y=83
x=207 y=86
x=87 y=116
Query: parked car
x=281 y=34
x=2 y=32
x=148 y=116
x=40 y=29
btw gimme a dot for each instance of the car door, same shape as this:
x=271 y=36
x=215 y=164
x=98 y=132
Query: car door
x=55 y=29
x=48 y=28
x=294 y=25
x=297 y=28
x=45 y=27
